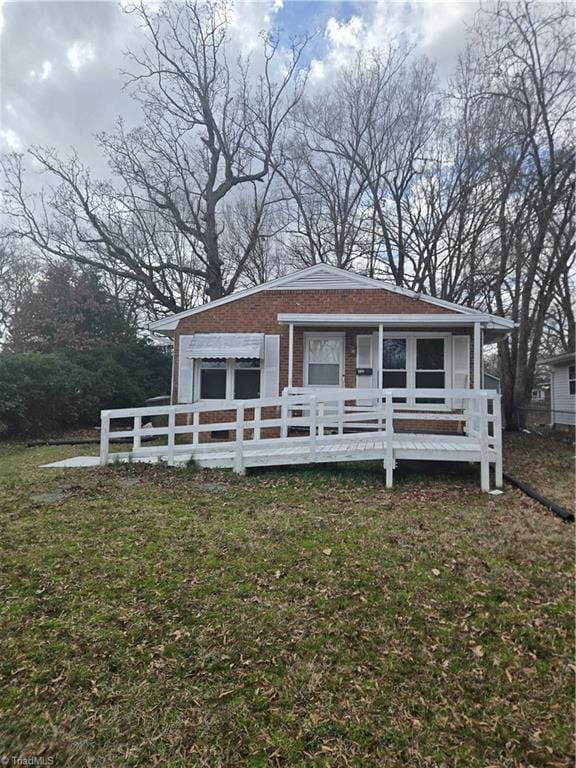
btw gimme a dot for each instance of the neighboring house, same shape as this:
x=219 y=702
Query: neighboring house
x=562 y=388
x=489 y=381
x=324 y=327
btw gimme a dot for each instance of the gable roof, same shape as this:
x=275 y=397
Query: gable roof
x=319 y=277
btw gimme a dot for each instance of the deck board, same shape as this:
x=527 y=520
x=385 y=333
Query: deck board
x=297 y=450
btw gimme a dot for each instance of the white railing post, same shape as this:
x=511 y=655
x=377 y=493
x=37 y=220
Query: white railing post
x=104 y=437
x=196 y=423
x=389 y=439
x=284 y=415
x=239 y=460
x=137 y=436
x=171 y=435
x=498 y=469
x=257 y=419
x=321 y=418
x=484 y=456
x=466 y=415
x=313 y=421
x=341 y=416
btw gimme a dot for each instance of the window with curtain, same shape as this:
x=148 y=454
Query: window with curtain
x=324 y=360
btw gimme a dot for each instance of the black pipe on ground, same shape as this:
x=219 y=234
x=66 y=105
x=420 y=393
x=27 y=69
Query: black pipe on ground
x=568 y=517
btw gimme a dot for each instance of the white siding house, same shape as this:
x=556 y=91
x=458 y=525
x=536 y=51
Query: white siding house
x=563 y=388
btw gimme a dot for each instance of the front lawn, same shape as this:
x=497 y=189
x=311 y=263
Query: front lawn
x=157 y=616
x=545 y=463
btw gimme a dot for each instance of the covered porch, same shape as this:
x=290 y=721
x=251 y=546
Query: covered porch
x=439 y=351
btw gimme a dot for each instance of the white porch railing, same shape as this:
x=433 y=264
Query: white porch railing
x=317 y=414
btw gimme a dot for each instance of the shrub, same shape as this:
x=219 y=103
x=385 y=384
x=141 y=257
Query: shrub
x=61 y=390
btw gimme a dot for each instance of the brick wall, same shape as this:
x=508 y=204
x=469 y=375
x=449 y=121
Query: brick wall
x=258 y=314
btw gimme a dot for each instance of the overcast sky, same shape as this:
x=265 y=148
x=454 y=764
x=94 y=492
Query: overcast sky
x=60 y=61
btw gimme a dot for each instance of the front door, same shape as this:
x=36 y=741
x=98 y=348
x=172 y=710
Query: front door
x=324 y=360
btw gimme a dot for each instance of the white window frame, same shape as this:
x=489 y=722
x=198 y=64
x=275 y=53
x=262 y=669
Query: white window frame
x=326 y=335
x=411 y=338
x=230 y=374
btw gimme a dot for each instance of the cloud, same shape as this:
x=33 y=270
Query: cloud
x=79 y=54
x=53 y=94
x=10 y=141
x=436 y=29
x=43 y=73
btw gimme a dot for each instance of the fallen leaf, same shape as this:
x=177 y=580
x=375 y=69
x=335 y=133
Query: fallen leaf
x=327 y=551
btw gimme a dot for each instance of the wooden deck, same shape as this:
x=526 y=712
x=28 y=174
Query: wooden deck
x=343 y=425
x=329 y=449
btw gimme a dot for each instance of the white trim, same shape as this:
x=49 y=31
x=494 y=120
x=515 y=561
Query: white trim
x=477 y=356
x=270 y=377
x=172 y=387
x=490 y=321
x=342 y=372
x=170 y=323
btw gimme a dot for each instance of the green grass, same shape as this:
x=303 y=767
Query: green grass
x=176 y=617
x=547 y=464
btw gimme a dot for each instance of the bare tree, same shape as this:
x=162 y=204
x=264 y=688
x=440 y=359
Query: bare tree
x=209 y=131
x=525 y=73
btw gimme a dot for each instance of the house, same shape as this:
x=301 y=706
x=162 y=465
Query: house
x=562 y=388
x=321 y=365
x=321 y=328
x=490 y=381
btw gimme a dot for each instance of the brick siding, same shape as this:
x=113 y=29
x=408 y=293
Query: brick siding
x=258 y=314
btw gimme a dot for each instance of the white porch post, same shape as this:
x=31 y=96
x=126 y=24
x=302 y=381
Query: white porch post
x=290 y=353
x=477 y=356
x=380 y=356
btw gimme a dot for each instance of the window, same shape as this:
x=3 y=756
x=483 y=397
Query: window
x=430 y=367
x=213 y=379
x=410 y=361
x=324 y=360
x=394 y=370
x=572 y=379
x=246 y=379
x=229 y=378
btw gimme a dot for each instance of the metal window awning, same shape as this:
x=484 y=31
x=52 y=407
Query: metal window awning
x=226 y=345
